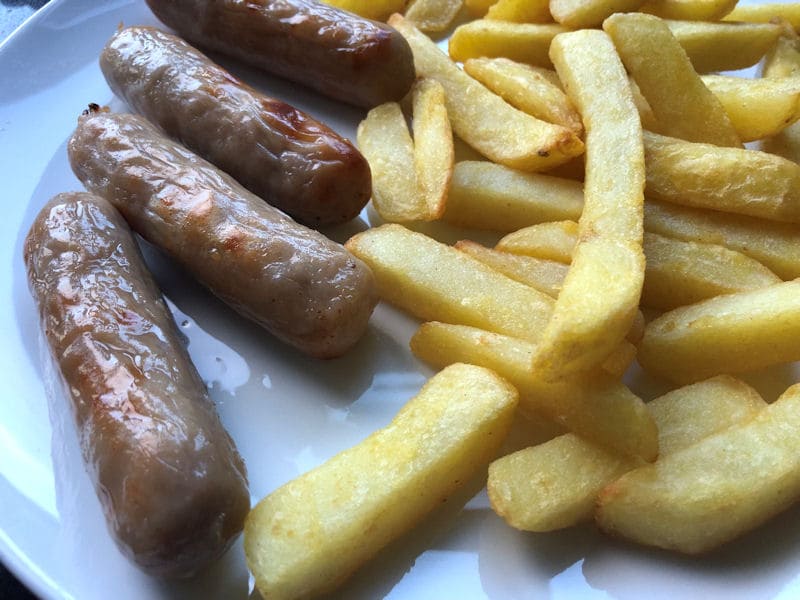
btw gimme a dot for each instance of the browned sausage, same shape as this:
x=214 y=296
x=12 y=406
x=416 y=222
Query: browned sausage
x=295 y=282
x=335 y=52
x=168 y=476
x=276 y=151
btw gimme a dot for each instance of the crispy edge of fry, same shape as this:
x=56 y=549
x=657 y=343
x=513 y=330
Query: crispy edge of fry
x=433 y=145
x=522 y=42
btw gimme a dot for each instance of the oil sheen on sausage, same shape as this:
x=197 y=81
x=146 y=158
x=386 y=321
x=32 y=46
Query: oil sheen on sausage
x=335 y=52
x=295 y=282
x=170 y=481
x=273 y=149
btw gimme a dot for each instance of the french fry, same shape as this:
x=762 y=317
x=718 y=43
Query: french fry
x=690 y=10
x=485 y=195
x=483 y=119
x=598 y=407
x=766 y=13
x=550 y=241
x=579 y=14
x=758 y=108
x=724 y=46
x=435 y=282
x=555 y=484
x=775 y=245
x=521 y=11
x=783 y=61
x=684 y=107
x=478 y=8
x=734 y=180
x=371 y=9
x=736 y=333
x=433 y=145
x=544 y=275
x=311 y=534
x=526 y=88
x=600 y=295
x=521 y=42
x=433 y=16
x=711 y=492
x=646 y=114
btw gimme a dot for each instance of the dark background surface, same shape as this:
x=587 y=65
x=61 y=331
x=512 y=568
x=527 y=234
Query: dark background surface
x=12 y=14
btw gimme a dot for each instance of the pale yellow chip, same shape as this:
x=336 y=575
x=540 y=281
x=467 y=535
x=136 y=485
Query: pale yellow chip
x=551 y=241
x=684 y=107
x=521 y=11
x=689 y=10
x=736 y=333
x=733 y=180
x=379 y=10
x=310 y=535
x=433 y=15
x=598 y=407
x=433 y=145
x=436 y=282
x=600 y=296
x=478 y=8
x=578 y=14
x=527 y=88
x=766 y=13
x=555 y=484
x=522 y=42
x=707 y=494
x=783 y=61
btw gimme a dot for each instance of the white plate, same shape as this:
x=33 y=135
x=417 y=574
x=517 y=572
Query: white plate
x=287 y=413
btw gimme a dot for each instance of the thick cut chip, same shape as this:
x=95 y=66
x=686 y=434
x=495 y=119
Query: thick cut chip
x=485 y=195
x=521 y=11
x=544 y=275
x=555 y=484
x=311 y=534
x=783 y=61
x=767 y=13
x=433 y=145
x=483 y=119
x=600 y=296
x=700 y=497
x=758 y=108
x=689 y=10
x=527 y=88
x=522 y=42
x=599 y=408
x=436 y=282
x=433 y=15
x=684 y=107
x=775 y=245
x=550 y=241
x=371 y=9
x=577 y=14
x=733 y=180
x=724 y=46
x=736 y=333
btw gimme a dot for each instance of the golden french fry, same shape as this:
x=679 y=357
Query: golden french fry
x=684 y=107
x=521 y=42
x=551 y=241
x=578 y=14
x=478 y=8
x=758 y=108
x=775 y=245
x=521 y=11
x=600 y=295
x=734 y=180
x=544 y=275
x=690 y=10
x=485 y=195
x=483 y=119
x=766 y=13
x=385 y=141
x=724 y=46
x=433 y=15
x=433 y=145
x=555 y=484
x=736 y=333
x=598 y=407
x=783 y=61
x=310 y=535
x=711 y=492
x=526 y=88
x=436 y=282
x=371 y=9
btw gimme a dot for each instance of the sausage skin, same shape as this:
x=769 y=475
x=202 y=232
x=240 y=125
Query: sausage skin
x=304 y=288
x=335 y=52
x=171 y=483
x=273 y=149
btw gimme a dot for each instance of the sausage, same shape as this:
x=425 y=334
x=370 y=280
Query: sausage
x=171 y=483
x=302 y=287
x=335 y=52
x=276 y=151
